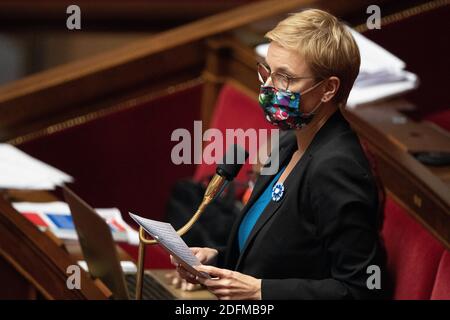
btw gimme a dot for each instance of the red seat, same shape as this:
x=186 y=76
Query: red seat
x=413 y=254
x=441 y=289
x=234 y=110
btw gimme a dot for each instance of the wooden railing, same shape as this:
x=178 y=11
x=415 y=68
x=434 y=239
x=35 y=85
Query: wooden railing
x=63 y=92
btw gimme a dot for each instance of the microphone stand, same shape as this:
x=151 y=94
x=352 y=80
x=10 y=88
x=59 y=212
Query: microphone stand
x=215 y=187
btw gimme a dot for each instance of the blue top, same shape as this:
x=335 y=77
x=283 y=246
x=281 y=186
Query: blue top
x=255 y=212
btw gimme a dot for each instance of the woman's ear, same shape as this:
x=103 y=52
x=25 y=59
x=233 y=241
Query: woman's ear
x=331 y=88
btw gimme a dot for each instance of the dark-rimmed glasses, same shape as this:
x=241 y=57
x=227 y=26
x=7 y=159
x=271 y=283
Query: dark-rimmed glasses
x=279 y=80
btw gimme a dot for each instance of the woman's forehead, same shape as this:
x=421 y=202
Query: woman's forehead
x=280 y=58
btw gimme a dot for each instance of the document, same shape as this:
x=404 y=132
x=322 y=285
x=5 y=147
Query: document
x=165 y=234
x=19 y=170
x=56 y=217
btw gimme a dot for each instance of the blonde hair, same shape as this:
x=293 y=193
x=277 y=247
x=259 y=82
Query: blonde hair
x=326 y=44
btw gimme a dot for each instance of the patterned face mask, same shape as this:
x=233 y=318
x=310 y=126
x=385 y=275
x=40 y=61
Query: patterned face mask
x=282 y=107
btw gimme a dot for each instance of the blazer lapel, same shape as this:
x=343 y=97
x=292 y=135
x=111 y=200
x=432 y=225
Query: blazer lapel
x=258 y=189
x=264 y=180
x=272 y=207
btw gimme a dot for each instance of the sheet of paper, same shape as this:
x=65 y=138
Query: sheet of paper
x=19 y=170
x=127 y=266
x=166 y=235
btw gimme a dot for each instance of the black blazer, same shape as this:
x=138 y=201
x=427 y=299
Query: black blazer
x=319 y=239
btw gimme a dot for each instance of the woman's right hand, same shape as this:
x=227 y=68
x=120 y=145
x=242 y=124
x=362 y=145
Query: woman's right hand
x=206 y=256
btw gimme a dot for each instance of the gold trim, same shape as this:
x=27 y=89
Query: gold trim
x=129 y=104
x=395 y=17
x=211 y=77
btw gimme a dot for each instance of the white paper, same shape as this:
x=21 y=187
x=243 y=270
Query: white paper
x=166 y=235
x=127 y=266
x=18 y=170
x=382 y=90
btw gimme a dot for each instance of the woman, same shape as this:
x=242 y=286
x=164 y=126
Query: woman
x=311 y=230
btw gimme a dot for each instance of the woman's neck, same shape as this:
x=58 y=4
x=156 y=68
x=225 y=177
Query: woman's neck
x=306 y=134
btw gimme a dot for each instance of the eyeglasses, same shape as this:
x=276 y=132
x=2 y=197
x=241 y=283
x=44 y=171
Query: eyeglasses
x=279 y=80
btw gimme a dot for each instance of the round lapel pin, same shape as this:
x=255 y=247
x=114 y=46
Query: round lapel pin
x=277 y=191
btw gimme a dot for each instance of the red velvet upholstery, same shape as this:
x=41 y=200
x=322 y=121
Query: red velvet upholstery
x=123 y=159
x=441 y=289
x=413 y=254
x=441 y=118
x=234 y=110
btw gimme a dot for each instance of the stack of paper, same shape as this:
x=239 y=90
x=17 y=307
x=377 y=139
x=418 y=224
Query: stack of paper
x=18 y=170
x=381 y=74
x=56 y=217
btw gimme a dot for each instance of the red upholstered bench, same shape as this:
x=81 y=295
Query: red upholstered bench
x=413 y=256
x=441 y=288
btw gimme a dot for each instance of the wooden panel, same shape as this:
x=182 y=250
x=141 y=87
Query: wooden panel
x=142 y=62
x=14 y=285
x=120 y=15
x=38 y=259
x=48 y=97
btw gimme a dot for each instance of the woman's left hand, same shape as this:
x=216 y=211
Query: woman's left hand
x=230 y=285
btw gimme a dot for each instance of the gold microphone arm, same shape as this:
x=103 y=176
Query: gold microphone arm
x=214 y=188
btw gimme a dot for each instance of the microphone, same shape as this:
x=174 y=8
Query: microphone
x=226 y=171
x=232 y=163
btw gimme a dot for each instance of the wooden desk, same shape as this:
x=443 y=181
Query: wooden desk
x=392 y=137
x=72 y=247
x=409 y=135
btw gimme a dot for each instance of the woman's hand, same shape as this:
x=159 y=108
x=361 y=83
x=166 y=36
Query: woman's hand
x=230 y=285
x=204 y=255
x=173 y=278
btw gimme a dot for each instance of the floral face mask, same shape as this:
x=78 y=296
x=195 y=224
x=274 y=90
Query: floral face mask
x=282 y=107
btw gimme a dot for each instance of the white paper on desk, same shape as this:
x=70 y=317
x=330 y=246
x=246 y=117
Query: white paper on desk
x=380 y=91
x=127 y=266
x=166 y=235
x=19 y=170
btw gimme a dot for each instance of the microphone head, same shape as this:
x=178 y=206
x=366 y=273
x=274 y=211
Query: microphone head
x=232 y=162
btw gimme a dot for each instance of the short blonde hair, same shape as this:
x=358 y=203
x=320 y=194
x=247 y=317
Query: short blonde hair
x=326 y=44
